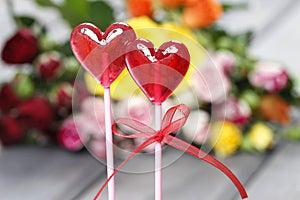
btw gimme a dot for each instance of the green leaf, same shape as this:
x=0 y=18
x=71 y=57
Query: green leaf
x=66 y=49
x=46 y=3
x=247 y=145
x=237 y=6
x=100 y=14
x=293 y=133
x=23 y=20
x=74 y=12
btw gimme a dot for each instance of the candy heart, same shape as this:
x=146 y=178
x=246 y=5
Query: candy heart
x=157 y=71
x=102 y=54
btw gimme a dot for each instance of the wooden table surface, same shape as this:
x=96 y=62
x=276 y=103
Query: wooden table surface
x=33 y=173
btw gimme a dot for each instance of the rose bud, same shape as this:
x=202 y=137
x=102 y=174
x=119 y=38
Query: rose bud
x=62 y=96
x=201 y=13
x=196 y=129
x=11 y=131
x=48 y=65
x=233 y=110
x=35 y=113
x=8 y=98
x=139 y=8
x=210 y=84
x=270 y=76
x=20 y=48
x=23 y=86
x=225 y=60
x=274 y=108
x=68 y=136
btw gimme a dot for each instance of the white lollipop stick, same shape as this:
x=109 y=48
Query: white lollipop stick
x=109 y=143
x=158 y=155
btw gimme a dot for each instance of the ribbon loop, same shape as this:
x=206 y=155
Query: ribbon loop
x=182 y=112
x=173 y=120
x=143 y=131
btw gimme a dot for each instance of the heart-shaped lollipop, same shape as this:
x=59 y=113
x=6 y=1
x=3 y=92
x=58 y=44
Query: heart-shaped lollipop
x=157 y=72
x=102 y=54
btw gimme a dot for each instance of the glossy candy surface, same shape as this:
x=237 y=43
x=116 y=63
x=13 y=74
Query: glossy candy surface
x=157 y=72
x=102 y=54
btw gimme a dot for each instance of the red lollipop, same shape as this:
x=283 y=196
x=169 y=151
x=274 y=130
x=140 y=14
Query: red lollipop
x=102 y=54
x=157 y=72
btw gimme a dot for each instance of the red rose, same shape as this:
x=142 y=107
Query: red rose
x=68 y=136
x=10 y=131
x=48 y=65
x=21 y=48
x=35 y=113
x=8 y=98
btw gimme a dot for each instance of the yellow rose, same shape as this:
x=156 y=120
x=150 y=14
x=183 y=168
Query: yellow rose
x=225 y=138
x=260 y=136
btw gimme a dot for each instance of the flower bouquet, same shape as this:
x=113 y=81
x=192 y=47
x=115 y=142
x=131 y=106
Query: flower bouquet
x=238 y=101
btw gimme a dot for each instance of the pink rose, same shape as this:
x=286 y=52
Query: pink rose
x=21 y=48
x=91 y=120
x=196 y=129
x=234 y=110
x=137 y=108
x=68 y=136
x=225 y=60
x=210 y=83
x=270 y=76
x=98 y=147
x=88 y=126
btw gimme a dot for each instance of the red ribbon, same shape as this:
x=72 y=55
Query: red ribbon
x=170 y=124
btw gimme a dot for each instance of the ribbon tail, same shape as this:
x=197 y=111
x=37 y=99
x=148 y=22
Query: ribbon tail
x=138 y=149
x=198 y=153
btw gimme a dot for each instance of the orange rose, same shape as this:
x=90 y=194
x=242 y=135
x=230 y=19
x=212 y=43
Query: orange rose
x=201 y=13
x=172 y=3
x=140 y=8
x=274 y=108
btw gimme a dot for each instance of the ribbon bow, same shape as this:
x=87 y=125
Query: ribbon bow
x=170 y=124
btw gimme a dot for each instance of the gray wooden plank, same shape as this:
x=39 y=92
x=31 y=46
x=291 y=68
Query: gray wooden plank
x=186 y=178
x=282 y=41
x=257 y=17
x=36 y=173
x=279 y=178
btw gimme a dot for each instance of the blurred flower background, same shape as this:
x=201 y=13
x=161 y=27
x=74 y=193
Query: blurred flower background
x=242 y=103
